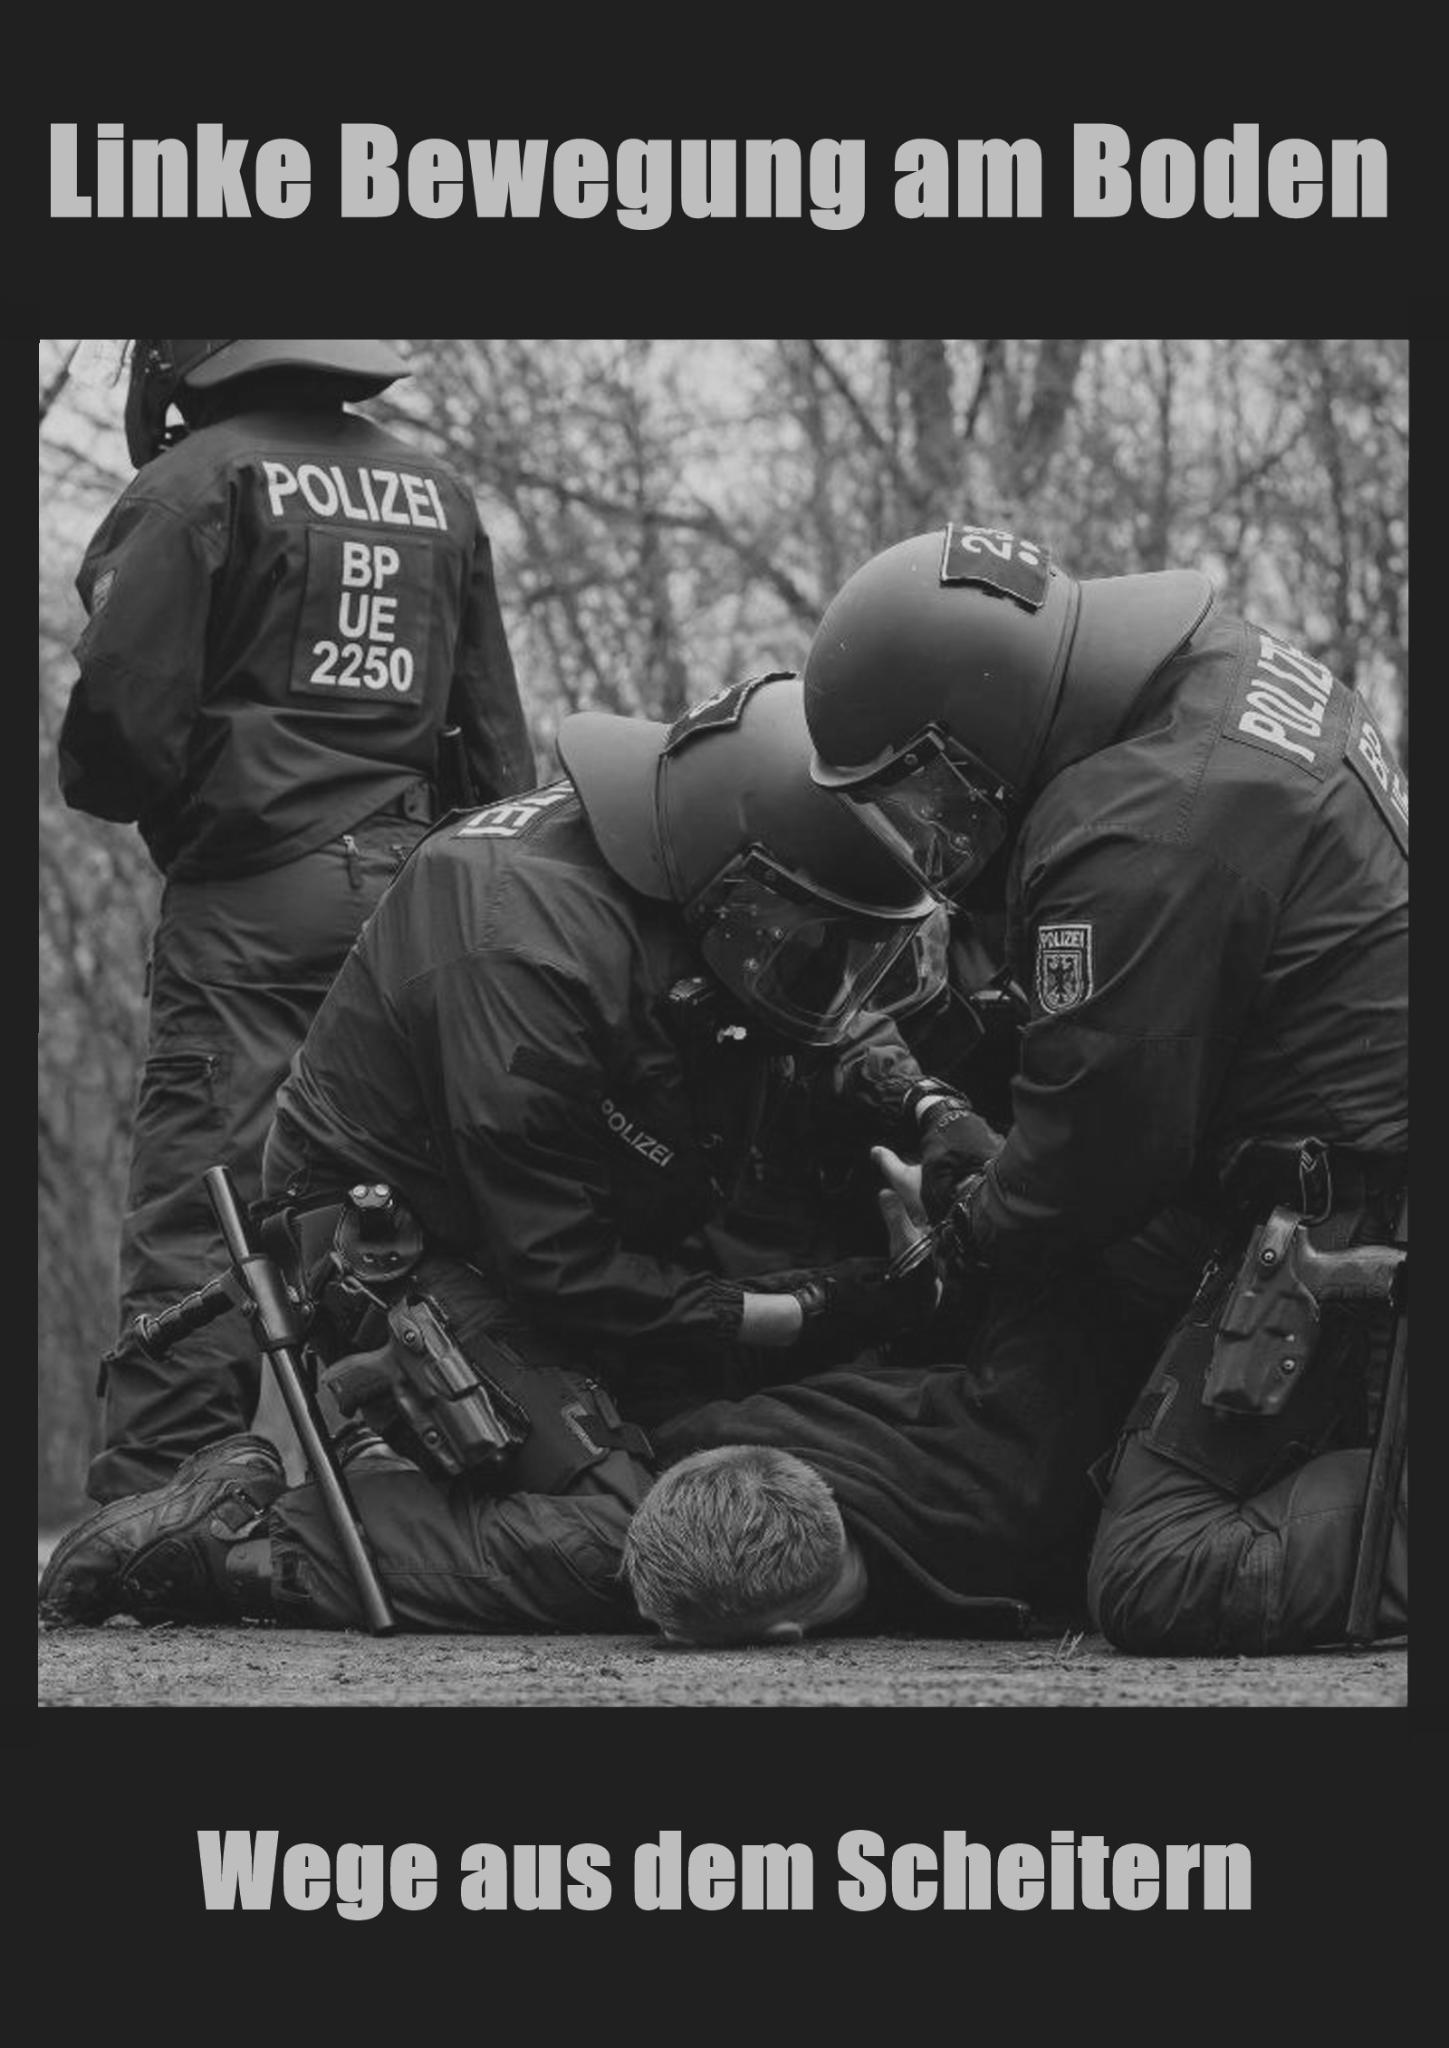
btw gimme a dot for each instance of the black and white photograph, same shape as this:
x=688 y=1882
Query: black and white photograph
x=723 y=1025
x=724 y=993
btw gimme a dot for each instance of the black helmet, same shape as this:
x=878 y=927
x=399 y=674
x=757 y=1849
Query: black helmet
x=955 y=672
x=795 y=907
x=160 y=369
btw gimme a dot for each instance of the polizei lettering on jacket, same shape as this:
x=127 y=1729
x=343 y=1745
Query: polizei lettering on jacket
x=638 y=1140
x=366 y=496
x=1290 y=705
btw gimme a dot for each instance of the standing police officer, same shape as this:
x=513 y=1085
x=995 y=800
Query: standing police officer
x=1201 y=839
x=286 y=607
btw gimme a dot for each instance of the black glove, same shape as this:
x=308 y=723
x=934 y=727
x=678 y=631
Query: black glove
x=956 y=1144
x=855 y=1301
x=361 y=1385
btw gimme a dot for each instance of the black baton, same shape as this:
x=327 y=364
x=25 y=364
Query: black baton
x=277 y=1329
x=1386 y=1468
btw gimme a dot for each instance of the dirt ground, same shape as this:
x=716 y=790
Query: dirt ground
x=125 y=1665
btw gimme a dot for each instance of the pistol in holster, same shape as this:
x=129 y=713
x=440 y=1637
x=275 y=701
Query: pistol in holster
x=455 y=1418
x=1270 y=1326
x=401 y=1369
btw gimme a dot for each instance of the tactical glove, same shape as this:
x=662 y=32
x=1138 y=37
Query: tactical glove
x=956 y=1144
x=855 y=1301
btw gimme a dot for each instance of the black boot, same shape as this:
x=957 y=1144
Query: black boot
x=161 y=1556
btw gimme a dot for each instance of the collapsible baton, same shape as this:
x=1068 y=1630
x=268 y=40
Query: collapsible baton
x=1386 y=1468
x=255 y=1284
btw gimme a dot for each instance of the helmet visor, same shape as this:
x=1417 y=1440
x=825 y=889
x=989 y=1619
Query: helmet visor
x=802 y=959
x=917 y=976
x=936 y=808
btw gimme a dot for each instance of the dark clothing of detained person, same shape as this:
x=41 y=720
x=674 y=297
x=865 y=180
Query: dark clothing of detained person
x=286 y=607
x=1200 y=839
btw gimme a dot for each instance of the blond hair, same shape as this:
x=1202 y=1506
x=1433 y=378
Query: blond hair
x=727 y=1538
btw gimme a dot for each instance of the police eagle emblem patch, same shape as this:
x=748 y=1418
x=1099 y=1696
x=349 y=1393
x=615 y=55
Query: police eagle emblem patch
x=1063 y=965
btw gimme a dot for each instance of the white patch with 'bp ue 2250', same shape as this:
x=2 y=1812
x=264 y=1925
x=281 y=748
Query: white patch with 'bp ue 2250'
x=1063 y=965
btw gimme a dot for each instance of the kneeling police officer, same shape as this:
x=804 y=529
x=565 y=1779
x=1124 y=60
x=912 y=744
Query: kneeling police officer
x=1200 y=840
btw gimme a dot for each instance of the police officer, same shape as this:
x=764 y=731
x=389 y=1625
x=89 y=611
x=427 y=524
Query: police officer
x=1200 y=839
x=556 y=1041
x=286 y=607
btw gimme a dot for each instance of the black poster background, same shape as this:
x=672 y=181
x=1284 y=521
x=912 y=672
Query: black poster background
x=1333 y=1805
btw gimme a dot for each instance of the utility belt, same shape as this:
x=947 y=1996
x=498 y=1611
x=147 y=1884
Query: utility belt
x=1314 y=1178
x=385 y=1348
x=1295 y=1312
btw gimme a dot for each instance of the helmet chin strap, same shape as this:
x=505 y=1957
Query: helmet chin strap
x=148 y=399
x=678 y=888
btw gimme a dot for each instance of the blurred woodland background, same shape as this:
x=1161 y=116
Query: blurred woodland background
x=669 y=515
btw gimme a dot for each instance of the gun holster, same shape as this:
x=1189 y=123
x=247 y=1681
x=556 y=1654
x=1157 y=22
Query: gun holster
x=1271 y=1322
x=426 y=1398
x=1269 y=1328
x=382 y=1345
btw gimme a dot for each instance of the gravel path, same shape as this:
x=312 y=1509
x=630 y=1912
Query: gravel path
x=124 y=1665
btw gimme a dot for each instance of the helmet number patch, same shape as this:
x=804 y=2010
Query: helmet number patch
x=725 y=708
x=1019 y=569
x=1063 y=966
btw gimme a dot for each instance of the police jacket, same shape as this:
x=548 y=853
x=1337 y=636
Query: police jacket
x=1210 y=915
x=507 y=1046
x=283 y=609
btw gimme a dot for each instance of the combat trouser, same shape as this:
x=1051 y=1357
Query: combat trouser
x=1238 y=1534
x=239 y=967
x=1181 y=1566
x=455 y=1560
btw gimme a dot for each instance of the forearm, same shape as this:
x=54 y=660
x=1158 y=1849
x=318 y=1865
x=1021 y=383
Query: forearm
x=1092 y=1153
x=121 y=752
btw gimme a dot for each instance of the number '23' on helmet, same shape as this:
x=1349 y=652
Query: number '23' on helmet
x=793 y=904
x=955 y=672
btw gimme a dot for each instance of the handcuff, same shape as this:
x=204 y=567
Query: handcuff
x=952 y=1234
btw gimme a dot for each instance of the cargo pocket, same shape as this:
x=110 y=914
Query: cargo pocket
x=180 y=1123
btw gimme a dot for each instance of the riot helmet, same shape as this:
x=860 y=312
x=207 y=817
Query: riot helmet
x=957 y=671
x=794 y=906
x=164 y=373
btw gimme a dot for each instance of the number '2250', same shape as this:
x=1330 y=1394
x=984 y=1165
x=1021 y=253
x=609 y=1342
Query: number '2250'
x=363 y=668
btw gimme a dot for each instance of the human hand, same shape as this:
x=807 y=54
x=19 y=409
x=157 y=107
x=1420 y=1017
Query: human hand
x=956 y=1144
